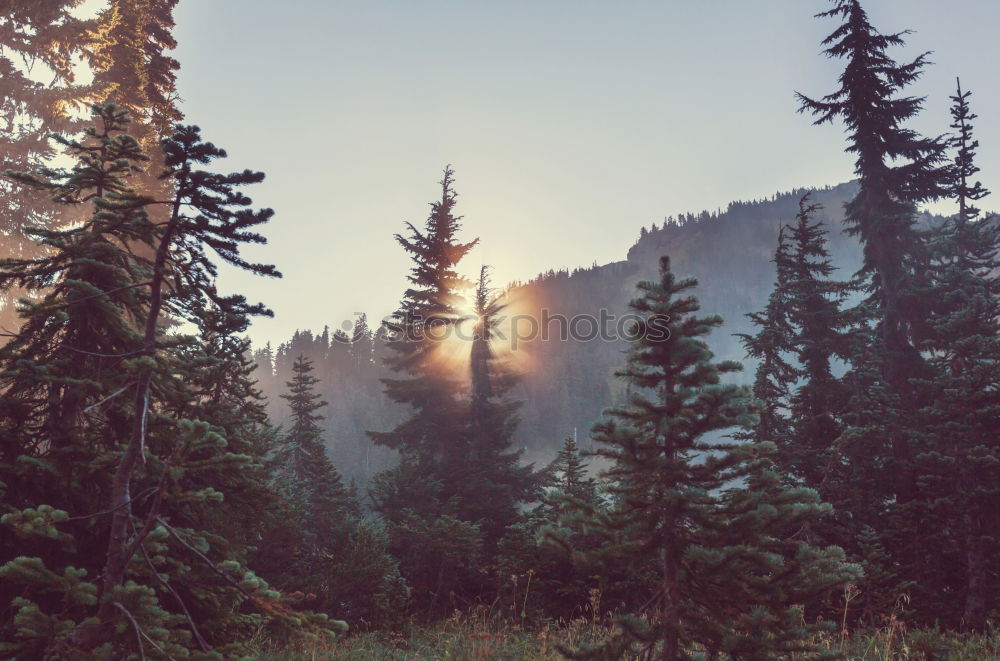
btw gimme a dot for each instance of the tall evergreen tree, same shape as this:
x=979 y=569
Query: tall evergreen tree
x=35 y=38
x=132 y=68
x=496 y=480
x=803 y=329
x=361 y=343
x=707 y=514
x=92 y=424
x=958 y=448
x=304 y=469
x=421 y=333
x=124 y=47
x=339 y=563
x=438 y=548
x=896 y=169
x=457 y=483
x=821 y=335
x=771 y=346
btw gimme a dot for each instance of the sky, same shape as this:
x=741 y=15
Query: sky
x=570 y=123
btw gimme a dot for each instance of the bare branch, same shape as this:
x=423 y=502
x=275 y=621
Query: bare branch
x=140 y=634
x=205 y=559
x=205 y=647
x=142 y=494
x=109 y=397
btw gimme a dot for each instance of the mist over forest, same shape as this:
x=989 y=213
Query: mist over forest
x=765 y=433
x=729 y=252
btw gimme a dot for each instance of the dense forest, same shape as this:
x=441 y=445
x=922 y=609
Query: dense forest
x=784 y=445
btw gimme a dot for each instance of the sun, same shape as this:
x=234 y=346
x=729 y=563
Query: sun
x=468 y=320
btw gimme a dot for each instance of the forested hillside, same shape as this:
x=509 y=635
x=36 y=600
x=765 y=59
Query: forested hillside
x=768 y=433
x=572 y=381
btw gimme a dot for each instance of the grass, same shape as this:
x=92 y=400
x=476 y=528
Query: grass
x=485 y=636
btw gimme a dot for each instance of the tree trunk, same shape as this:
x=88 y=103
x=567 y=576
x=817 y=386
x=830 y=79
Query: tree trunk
x=976 y=587
x=670 y=608
x=118 y=555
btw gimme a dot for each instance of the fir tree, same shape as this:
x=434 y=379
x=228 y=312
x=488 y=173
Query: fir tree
x=133 y=69
x=557 y=586
x=959 y=453
x=496 y=482
x=896 y=169
x=46 y=37
x=304 y=469
x=424 y=498
x=361 y=343
x=803 y=329
x=92 y=387
x=340 y=563
x=706 y=514
x=771 y=346
x=821 y=334
x=571 y=473
x=433 y=438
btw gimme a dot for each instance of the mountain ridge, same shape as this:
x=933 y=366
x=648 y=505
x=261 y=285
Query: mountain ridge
x=729 y=252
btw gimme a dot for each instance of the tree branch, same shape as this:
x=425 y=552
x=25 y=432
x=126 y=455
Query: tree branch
x=205 y=559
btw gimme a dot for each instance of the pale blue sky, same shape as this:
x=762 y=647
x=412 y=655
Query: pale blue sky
x=570 y=123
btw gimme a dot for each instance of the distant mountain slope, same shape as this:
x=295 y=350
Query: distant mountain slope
x=729 y=253
x=569 y=383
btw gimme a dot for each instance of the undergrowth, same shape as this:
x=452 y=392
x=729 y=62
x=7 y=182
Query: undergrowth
x=484 y=635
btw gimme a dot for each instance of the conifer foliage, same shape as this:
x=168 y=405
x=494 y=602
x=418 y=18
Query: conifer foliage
x=457 y=484
x=496 y=480
x=803 y=330
x=922 y=374
x=896 y=168
x=301 y=457
x=959 y=454
x=706 y=515
x=49 y=36
x=323 y=550
x=112 y=543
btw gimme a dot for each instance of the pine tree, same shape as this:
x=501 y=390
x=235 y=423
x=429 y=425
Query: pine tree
x=340 y=563
x=958 y=451
x=495 y=481
x=361 y=343
x=706 y=514
x=571 y=472
x=46 y=36
x=123 y=47
x=557 y=586
x=424 y=498
x=457 y=474
x=305 y=471
x=771 y=346
x=132 y=68
x=822 y=327
x=803 y=329
x=98 y=421
x=421 y=329
x=896 y=169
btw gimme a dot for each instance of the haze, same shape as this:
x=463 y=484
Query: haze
x=570 y=124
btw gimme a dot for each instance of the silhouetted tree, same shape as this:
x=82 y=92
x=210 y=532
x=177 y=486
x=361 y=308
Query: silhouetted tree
x=896 y=169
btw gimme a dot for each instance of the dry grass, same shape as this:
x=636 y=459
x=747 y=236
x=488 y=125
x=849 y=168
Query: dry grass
x=482 y=635
x=485 y=636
